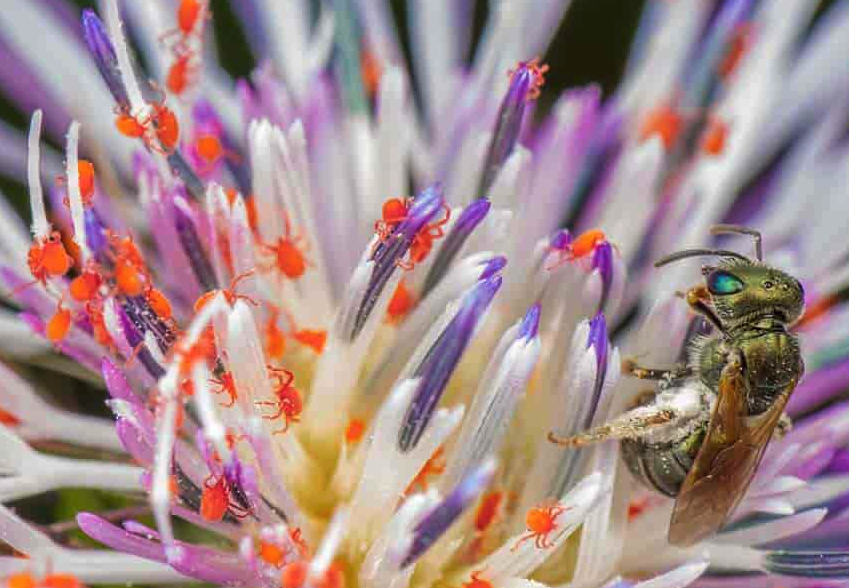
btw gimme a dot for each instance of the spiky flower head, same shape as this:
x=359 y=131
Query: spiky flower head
x=322 y=377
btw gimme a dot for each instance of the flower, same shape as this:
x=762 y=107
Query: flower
x=320 y=381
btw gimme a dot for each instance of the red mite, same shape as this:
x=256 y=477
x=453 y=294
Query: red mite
x=229 y=294
x=47 y=258
x=166 y=127
x=288 y=253
x=394 y=212
x=288 y=402
x=215 y=500
x=181 y=74
x=541 y=522
x=225 y=384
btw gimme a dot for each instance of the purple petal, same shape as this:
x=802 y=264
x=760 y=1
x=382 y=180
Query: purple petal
x=839 y=463
x=133 y=324
x=116 y=382
x=818 y=387
x=134 y=442
x=469 y=219
x=387 y=254
x=117 y=538
x=597 y=340
x=434 y=525
x=190 y=240
x=101 y=48
x=603 y=262
x=438 y=364
x=508 y=124
x=493 y=267
x=561 y=240
x=530 y=324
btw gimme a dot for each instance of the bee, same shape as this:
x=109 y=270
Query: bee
x=700 y=434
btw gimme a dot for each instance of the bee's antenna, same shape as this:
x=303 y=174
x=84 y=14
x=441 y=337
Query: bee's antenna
x=739 y=229
x=698 y=253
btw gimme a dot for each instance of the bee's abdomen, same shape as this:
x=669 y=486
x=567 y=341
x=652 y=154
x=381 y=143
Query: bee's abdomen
x=661 y=467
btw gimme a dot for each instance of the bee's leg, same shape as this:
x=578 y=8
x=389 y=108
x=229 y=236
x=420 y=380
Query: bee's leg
x=631 y=425
x=696 y=297
x=631 y=368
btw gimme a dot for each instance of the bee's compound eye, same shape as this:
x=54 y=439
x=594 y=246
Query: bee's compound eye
x=721 y=282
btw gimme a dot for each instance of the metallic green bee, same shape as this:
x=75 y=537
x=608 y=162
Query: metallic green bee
x=700 y=434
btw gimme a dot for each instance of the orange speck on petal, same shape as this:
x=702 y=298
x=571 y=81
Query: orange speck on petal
x=209 y=147
x=7 y=418
x=741 y=40
x=293 y=574
x=333 y=577
x=488 y=510
x=477 y=582
x=402 y=302
x=85 y=170
x=355 y=430
x=587 y=242
x=271 y=553
x=636 y=508
x=60 y=581
x=21 y=580
x=714 y=136
x=314 y=339
x=371 y=70
x=663 y=121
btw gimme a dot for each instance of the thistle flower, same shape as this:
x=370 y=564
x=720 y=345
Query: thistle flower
x=320 y=380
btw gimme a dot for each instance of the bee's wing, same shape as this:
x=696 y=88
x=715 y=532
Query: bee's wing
x=725 y=464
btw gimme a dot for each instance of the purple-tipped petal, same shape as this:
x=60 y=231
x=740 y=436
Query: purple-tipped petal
x=134 y=324
x=117 y=538
x=493 y=267
x=182 y=169
x=530 y=324
x=386 y=255
x=434 y=525
x=597 y=340
x=469 y=219
x=104 y=56
x=438 y=364
x=561 y=240
x=243 y=485
x=190 y=240
x=603 y=262
x=509 y=122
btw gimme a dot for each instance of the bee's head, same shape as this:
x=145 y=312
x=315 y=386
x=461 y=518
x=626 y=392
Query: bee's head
x=742 y=291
